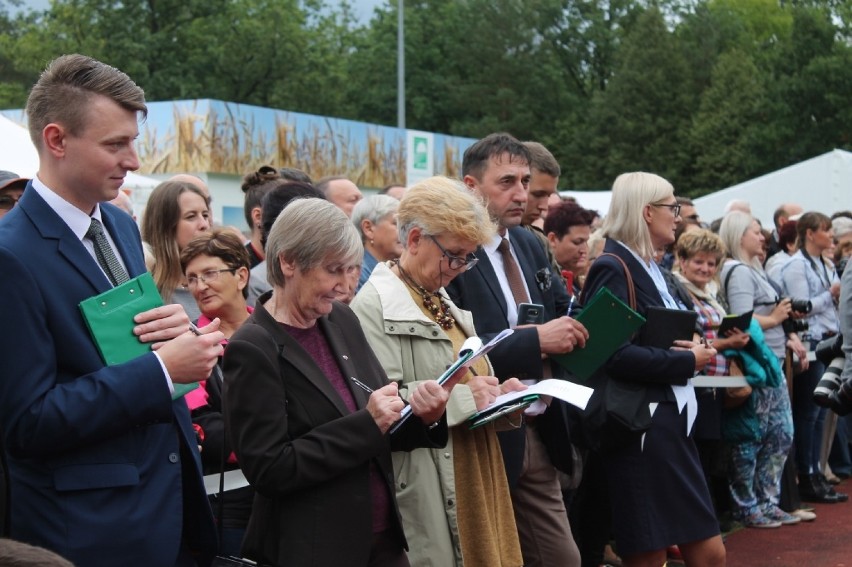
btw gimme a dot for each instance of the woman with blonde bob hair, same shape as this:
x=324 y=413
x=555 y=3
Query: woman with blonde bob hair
x=655 y=479
x=455 y=501
x=309 y=407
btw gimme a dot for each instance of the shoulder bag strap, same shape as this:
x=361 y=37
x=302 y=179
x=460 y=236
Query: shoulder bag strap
x=631 y=291
x=728 y=278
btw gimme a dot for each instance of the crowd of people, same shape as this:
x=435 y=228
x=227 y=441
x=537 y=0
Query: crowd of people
x=318 y=434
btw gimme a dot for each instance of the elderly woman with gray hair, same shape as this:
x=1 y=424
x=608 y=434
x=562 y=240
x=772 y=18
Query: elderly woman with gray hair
x=309 y=407
x=455 y=501
x=375 y=219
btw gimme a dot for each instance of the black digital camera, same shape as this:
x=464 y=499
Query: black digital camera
x=792 y=325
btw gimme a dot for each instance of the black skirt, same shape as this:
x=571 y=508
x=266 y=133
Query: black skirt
x=657 y=489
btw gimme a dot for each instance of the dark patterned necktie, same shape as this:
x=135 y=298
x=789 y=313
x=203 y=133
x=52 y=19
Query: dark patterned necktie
x=513 y=274
x=105 y=255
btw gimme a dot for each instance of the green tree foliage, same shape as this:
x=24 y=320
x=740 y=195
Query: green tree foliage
x=705 y=92
x=726 y=132
x=637 y=123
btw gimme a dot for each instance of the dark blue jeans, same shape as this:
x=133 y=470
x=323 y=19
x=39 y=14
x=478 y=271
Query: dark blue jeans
x=808 y=419
x=840 y=458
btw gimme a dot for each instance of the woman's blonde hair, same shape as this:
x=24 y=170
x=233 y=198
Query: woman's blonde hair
x=700 y=241
x=440 y=205
x=625 y=221
x=731 y=231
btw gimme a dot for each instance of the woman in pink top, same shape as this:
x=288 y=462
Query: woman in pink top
x=216 y=268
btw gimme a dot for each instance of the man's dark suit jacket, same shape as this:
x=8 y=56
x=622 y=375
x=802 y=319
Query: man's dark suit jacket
x=479 y=292
x=102 y=462
x=305 y=454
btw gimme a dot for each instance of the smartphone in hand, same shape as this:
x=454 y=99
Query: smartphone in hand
x=530 y=314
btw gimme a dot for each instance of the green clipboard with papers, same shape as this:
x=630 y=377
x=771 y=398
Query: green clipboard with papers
x=610 y=323
x=109 y=317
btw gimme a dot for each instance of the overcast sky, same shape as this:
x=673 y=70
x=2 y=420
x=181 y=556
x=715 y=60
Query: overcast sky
x=363 y=8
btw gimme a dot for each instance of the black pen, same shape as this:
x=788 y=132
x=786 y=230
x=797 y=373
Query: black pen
x=194 y=330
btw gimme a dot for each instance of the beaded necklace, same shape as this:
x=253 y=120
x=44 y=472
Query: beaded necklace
x=440 y=310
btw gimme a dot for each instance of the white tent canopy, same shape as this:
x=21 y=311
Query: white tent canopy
x=592 y=200
x=18 y=155
x=823 y=184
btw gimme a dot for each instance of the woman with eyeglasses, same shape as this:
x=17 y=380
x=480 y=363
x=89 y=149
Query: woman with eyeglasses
x=455 y=501
x=216 y=267
x=657 y=489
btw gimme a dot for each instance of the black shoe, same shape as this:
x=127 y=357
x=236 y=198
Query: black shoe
x=839 y=496
x=812 y=490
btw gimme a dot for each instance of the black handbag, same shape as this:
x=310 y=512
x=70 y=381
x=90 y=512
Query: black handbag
x=224 y=560
x=617 y=412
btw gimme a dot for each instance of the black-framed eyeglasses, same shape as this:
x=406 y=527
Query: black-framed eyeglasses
x=7 y=202
x=206 y=276
x=675 y=208
x=456 y=262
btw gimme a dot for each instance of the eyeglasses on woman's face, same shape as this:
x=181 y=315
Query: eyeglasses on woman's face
x=207 y=276
x=7 y=202
x=456 y=262
x=675 y=208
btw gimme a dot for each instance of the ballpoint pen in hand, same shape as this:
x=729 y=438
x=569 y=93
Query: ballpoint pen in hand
x=568 y=276
x=368 y=389
x=361 y=385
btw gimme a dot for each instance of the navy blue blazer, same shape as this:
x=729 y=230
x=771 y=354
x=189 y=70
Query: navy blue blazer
x=103 y=464
x=479 y=292
x=654 y=368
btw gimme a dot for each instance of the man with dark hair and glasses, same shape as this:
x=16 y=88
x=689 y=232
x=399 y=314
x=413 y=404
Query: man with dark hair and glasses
x=514 y=269
x=11 y=188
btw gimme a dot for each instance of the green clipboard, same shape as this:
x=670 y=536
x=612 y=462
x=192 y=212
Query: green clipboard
x=109 y=317
x=610 y=323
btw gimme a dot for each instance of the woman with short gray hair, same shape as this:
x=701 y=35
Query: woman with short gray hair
x=308 y=407
x=375 y=219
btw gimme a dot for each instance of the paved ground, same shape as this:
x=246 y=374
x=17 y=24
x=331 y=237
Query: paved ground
x=825 y=542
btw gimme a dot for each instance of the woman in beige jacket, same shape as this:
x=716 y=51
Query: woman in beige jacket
x=455 y=501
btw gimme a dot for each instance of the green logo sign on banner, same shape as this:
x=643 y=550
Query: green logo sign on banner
x=421 y=153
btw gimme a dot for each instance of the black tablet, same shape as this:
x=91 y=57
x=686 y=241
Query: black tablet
x=665 y=326
x=729 y=322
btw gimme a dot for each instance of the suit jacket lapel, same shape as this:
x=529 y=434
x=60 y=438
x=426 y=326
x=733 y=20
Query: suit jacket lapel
x=485 y=270
x=132 y=260
x=334 y=334
x=641 y=279
x=528 y=269
x=52 y=227
x=301 y=360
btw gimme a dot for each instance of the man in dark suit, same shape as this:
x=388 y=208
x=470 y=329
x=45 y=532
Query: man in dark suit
x=497 y=167
x=103 y=464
